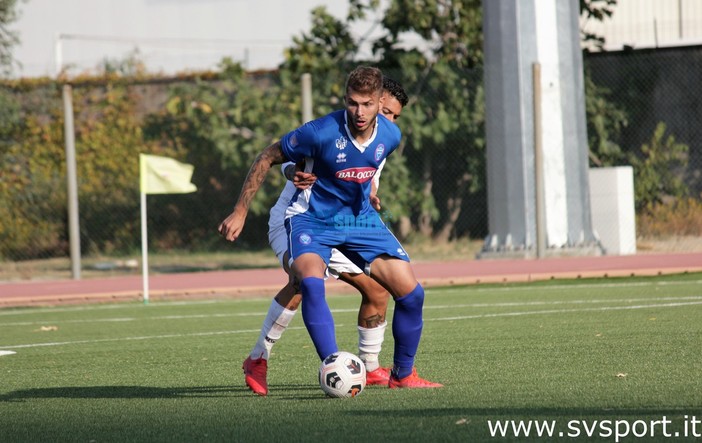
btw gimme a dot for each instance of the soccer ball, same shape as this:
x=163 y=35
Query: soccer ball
x=342 y=374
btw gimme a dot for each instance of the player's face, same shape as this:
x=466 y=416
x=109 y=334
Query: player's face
x=391 y=107
x=362 y=110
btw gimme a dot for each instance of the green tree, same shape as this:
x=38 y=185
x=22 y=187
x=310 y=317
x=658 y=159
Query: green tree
x=131 y=65
x=658 y=169
x=605 y=121
x=327 y=52
x=8 y=38
x=32 y=187
x=597 y=10
x=444 y=139
x=223 y=125
x=451 y=28
x=109 y=138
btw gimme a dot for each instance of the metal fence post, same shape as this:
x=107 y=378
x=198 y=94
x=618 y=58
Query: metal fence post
x=538 y=166
x=72 y=181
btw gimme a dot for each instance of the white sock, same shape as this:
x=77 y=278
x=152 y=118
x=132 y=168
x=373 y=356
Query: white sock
x=370 y=341
x=277 y=320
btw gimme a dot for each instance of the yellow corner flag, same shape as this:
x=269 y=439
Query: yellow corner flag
x=163 y=175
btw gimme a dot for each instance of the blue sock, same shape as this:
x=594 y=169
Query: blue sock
x=317 y=316
x=407 y=330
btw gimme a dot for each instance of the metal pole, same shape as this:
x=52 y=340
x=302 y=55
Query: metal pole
x=680 y=20
x=58 y=55
x=306 y=97
x=144 y=245
x=538 y=165
x=72 y=181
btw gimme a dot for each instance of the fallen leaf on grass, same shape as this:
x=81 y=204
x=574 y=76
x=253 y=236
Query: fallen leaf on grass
x=463 y=421
x=621 y=375
x=48 y=328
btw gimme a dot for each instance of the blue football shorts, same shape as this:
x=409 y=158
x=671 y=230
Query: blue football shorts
x=361 y=238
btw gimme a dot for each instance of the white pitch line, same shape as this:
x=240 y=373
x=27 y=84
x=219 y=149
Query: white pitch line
x=129 y=319
x=564 y=311
x=563 y=302
x=443 y=290
x=102 y=307
x=146 y=337
x=426 y=307
x=465 y=317
x=556 y=287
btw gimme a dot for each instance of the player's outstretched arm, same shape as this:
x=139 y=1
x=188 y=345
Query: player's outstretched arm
x=232 y=226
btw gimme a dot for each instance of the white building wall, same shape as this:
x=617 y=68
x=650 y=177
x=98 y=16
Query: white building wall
x=170 y=35
x=650 y=24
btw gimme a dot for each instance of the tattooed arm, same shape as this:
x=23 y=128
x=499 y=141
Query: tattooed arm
x=232 y=226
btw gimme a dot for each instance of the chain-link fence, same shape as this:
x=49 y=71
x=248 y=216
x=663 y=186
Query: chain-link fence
x=642 y=110
x=651 y=87
x=650 y=121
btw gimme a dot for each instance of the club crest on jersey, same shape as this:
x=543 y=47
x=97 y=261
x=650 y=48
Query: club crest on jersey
x=341 y=142
x=379 y=152
x=305 y=238
x=357 y=175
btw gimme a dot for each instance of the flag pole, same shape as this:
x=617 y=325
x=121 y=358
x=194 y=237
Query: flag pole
x=144 y=247
x=159 y=175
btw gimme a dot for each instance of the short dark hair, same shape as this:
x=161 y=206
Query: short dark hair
x=365 y=79
x=396 y=90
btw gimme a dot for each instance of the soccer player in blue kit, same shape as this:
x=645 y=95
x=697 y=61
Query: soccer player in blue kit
x=374 y=298
x=343 y=149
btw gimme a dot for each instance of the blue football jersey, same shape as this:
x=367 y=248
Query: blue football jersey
x=344 y=168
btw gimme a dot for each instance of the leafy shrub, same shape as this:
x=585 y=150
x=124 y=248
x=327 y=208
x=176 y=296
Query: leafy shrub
x=671 y=218
x=659 y=169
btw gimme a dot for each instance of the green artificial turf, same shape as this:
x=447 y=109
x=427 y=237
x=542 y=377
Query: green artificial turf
x=569 y=354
